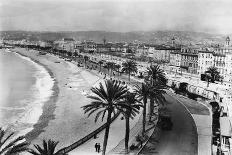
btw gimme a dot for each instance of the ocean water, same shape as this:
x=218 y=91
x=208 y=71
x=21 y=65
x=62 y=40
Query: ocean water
x=24 y=88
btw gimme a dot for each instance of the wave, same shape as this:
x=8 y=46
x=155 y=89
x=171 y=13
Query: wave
x=41 y=91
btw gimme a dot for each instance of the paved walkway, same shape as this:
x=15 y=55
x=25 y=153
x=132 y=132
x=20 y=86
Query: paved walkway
x=137 y=129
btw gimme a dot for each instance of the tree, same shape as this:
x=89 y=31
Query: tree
x=129 y=67
x=214 y=74
x=75 y=54
x=69 y=54
x=142 y=92
x=100 y=64
x=105 y=100
x=155 y=74
x=117 y=67
x=48 y=148
x=129 y=110
x=86 y=58
x=156 y=95
x=10 y=145
x=157 y=80
x=110 y=67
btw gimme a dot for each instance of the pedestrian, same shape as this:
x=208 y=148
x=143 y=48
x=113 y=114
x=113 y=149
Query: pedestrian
x=96 y=147
x=99 y=148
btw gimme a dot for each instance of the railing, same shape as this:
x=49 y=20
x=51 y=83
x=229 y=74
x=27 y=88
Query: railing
x=86 y=138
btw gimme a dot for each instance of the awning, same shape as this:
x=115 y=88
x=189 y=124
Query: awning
x=226 y=128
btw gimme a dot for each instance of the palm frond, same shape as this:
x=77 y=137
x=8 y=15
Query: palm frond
x=18 y=148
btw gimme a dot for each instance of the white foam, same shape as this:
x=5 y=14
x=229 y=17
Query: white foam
x=41 y=92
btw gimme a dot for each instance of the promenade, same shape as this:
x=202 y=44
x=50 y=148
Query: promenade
x=183 y=110
x=117 y=130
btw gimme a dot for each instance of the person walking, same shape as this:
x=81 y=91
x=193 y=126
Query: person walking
x=96 y=147
x=99 y=147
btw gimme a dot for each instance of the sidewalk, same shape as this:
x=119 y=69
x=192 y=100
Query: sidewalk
x=136 y=130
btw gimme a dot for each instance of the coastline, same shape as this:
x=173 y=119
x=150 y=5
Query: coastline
x=48 y=107
x=67 y=122
x=63 y=119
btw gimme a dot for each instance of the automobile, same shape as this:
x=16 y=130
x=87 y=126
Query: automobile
x=165 y=122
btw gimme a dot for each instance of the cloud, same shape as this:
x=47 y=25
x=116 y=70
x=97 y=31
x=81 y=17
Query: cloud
x=117 y=15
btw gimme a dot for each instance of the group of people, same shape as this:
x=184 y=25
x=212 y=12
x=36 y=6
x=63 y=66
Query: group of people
x=97 y=147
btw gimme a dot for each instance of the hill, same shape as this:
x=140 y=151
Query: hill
x=155 y=37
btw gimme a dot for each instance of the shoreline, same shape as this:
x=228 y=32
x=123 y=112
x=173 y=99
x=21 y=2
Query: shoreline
x=63 y=119
x=48 y=107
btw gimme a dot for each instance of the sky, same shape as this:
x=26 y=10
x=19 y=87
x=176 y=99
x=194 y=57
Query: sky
x=211 y=16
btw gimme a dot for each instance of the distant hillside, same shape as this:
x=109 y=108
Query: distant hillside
x=183 y=37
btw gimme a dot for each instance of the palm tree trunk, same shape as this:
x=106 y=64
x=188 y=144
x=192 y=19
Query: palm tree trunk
x=129 y=76
x=151 y=108
x=106 y=133
x=127 y=132
x=100 y=67
x=144 y=115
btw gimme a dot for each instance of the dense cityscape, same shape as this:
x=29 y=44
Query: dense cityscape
x=115 y=77
x=201 y=72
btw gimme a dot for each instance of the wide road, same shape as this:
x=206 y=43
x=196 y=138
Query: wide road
x=181 y=140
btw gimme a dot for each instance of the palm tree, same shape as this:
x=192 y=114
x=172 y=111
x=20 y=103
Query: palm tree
x=10 y=145
x=100 y=64
x=105 y=100
x=129 y=110
x=155 y=74
x=48 y=148
x=129 y=67
x=86 y=58
x=110 y=67
x=69 y=54
x=143 y=92
x=157 y=80
x=156 y=95
x=214 y=74
x=117 y=67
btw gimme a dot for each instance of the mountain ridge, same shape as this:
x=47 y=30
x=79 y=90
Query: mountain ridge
x=158 y=37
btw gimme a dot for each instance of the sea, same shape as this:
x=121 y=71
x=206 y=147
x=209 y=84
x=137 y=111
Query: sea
x=24 y=88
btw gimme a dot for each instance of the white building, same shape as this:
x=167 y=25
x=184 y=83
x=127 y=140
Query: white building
x=205 y=60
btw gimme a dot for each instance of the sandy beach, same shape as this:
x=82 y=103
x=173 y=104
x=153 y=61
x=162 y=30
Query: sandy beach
x=63 y=118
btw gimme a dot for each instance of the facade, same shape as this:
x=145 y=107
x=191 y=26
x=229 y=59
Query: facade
x=162 y=53
x=189 y=59
x=175 y=60
x=205 y=60
x=66 y=44
x=219 y=57
x=223 y=60
x=90 y=46
x=141 y=50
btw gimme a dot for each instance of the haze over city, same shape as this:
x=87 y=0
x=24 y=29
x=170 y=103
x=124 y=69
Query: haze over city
x=117 y=15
